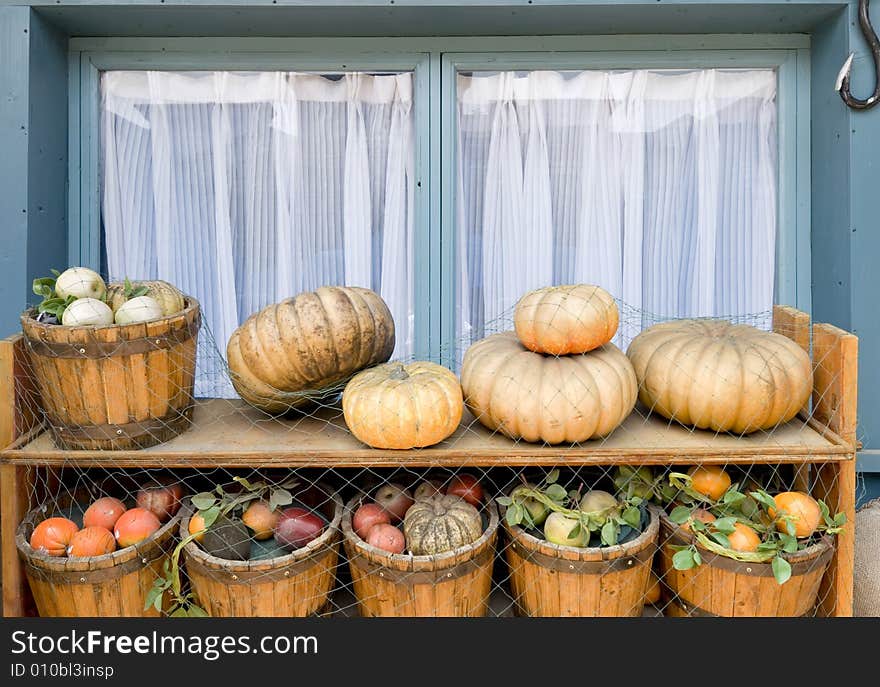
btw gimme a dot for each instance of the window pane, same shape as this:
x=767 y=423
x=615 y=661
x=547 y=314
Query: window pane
x=658 y=185
x=246 y=188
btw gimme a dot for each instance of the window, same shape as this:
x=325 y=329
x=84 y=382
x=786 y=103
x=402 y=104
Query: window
x=659 y=185
x=246 y=188
x=448 y=174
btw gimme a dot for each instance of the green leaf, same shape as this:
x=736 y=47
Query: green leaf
x=684 y=559
x=721 y=539
x=279 y=497
x=178 y=612
x=724 y=525
x=609 y=533
x=768 y=546
x=514 y=514
x=789 y=543
x=823 y=508
x=781 y=570
x=790 y=527
x=196 y=611
x=155 y=593
x=556 y=493
x=839 y=520
x=732 y=496
x=698 y=559
x=504 y=500
x=632 y=516
x=680 y=515
x=552 y=476
x=575 y=532
x=203 y=500
x=210 y=515
x=763 y=498
x=55 y=272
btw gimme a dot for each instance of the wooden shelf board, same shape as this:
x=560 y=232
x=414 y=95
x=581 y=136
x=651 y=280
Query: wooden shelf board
x=232 y=434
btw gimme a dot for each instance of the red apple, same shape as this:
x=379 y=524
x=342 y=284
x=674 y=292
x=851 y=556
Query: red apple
x=386 y=537
x=162 y=498
x=428 y=489
x=395 y=499
x=297 y=527
x=366 y=516
x=466 y=487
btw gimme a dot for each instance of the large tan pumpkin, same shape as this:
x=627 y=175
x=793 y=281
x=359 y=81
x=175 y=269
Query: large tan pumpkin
x=530 y=396
x=307 y=343
x=441 y=524
x=559 y=320
x=400 y=406
x=716 y=375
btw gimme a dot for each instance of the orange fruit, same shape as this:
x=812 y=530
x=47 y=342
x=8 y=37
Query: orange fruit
x=91 y=541
x=802 y=508
x=710 y=480
x=700 y=514
x=197 y=526
x=260 y=519
x=743 y=538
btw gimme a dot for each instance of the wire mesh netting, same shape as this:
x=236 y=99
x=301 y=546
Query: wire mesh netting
x=674 y=479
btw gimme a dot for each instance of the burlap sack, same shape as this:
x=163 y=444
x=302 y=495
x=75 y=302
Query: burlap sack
x=866 y=585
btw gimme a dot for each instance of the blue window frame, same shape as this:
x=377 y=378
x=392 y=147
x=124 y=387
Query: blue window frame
x=435 y=62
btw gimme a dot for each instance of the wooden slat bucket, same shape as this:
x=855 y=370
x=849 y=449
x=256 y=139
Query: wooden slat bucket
x=548 y=580
x=113 y=585
x=291 y=586
x=452 y=584
x=118 y=386
x=725 y=587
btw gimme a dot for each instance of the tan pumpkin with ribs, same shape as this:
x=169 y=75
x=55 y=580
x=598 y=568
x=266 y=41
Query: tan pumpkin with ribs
x=560 y=320
x=441 y=524
x=283 y=354
x=530 y=396
x=398 y=406
x=712 y=374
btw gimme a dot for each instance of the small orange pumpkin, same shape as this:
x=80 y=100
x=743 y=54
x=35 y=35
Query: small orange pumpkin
x=134 y=526
x=103 y=513
x=53 y=535
x=91 y=541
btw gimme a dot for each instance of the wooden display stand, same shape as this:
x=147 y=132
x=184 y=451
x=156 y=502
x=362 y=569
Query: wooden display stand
x=229 y=434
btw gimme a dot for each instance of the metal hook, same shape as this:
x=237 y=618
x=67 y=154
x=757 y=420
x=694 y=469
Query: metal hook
x=842 y=85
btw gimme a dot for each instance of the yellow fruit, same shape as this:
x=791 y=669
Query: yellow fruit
x=197 y=526
x=802 y=509
x=710 y=480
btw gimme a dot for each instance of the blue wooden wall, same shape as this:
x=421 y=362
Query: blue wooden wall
x=845 y=144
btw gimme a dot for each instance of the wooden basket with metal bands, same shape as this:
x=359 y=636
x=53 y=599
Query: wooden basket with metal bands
x=110 y=585
x=294 y=585
x=722 y=586
x=550 y=580
x=453 y=583
x=116 y=387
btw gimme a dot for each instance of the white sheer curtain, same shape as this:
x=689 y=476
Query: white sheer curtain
x=658 y=185
x=246 y=188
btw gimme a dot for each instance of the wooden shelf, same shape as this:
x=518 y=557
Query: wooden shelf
x=232 y=434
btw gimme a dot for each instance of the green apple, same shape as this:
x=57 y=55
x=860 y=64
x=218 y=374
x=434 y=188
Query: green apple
x=600 y=503
x=537 y=510
x=558 y=526
x=634 y=481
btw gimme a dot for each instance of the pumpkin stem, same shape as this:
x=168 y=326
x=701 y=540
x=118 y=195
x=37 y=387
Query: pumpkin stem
x=399 y=372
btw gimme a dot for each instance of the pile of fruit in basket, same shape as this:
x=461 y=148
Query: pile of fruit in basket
x=80 y=297
x=582 y=518
x=744 y=523
x=107 y=524
x=433 y=519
